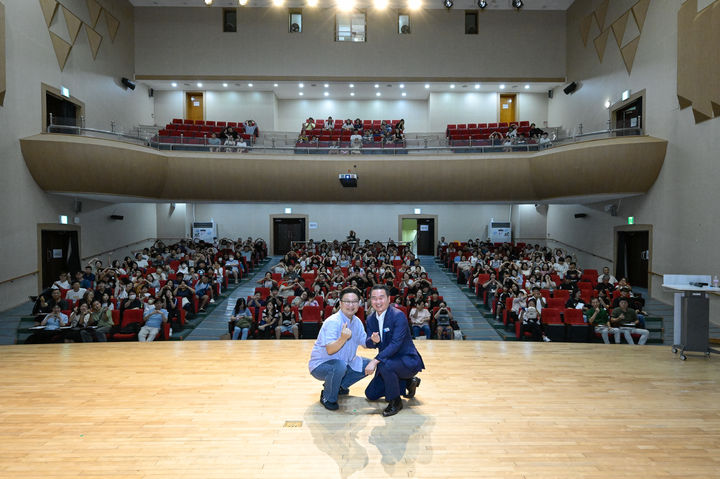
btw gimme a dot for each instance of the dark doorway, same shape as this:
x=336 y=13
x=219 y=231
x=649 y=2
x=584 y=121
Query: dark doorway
x=633 y=257
x=60 y=253
x=629 y=118
x=61 y=111
x=285 y=231
x=426 y=236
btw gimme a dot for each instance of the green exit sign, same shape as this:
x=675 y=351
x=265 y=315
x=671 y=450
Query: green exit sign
x=631 y=220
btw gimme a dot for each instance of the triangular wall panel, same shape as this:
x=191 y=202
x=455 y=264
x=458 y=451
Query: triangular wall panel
x=628 y=53
x=618 y=27
x=112 y=25
x=94 y=39
x=601 y=13
x=600 y=43
x=62 y=49
x=94 y=10
x=639 y=11
x=49 y=7
x=585 y=25
x=73 y=24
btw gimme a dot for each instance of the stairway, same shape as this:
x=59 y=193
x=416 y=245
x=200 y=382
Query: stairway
x=469 y=318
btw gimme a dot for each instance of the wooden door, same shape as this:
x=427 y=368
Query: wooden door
x=194 y=108
x=285 y=231
x=60 y=254
x=508 y=104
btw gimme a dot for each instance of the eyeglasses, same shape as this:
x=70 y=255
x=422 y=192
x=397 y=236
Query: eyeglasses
x=349 y=302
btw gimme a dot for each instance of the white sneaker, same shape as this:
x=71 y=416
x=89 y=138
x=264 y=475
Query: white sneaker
x=212 y=300
x=546 y=339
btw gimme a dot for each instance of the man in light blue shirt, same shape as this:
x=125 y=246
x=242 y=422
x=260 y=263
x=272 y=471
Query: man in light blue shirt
x=154 y=319
x=334 y=358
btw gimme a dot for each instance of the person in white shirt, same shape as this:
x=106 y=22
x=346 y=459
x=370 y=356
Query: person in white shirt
x=561 y=267
x=356 y=141
x=62 y=283
x=76 y=293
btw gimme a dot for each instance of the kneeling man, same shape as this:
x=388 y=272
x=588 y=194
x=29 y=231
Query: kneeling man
x=398 y=361
x=333 y=358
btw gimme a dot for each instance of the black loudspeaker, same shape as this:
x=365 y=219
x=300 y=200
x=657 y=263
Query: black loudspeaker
x=128 y=83
x=580 y=215
x=117 y=217
x=550 y=93
x=570 y=88
x=77 y=206
x=151 y=93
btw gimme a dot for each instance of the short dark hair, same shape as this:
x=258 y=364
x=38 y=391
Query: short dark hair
x=349 y=290
x=381 y=286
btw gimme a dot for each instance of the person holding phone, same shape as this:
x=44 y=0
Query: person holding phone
x=334 y=358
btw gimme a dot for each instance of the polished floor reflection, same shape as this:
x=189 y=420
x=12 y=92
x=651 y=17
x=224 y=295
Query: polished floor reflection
x=485 y=409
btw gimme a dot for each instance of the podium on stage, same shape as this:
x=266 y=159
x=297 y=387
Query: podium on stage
x=691 y=320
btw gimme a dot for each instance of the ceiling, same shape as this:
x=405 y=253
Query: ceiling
x=316 y=89
x=433 y=4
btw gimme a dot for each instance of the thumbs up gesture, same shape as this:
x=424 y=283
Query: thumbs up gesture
x=346 y=333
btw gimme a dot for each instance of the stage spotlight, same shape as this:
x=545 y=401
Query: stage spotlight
x=448 y=4
x=518 y=4
x=482 y=4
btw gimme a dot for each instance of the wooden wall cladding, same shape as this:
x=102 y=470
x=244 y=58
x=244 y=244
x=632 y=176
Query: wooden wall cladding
x=54 y=160
x=2 y=54
x=698 y=70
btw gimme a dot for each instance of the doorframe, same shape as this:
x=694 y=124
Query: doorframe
x=286 y=217
x=44 y=90
x=52 y=227
x=622 y=104
x=204 y=107
x=641 y=227
x=418 y=217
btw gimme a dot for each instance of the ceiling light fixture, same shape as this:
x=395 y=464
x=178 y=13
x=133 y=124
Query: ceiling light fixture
x=208 y=2
x=250 y=85
x=352 y=85
x=242 y=2
x=225 y=85
x=377 y=86
x=278 y=3
x=326 y=93
x=448 y=4
x=378 y=94
x=380 y=4
x=502 y=87
x=452 y=86
x=301 y=85
x=414 y=4
x=199 y=85
x=346 y=5
x=517 y=4
x=527 y=87
x=352 y=93
x=312 y=3
x=482 y=4
x=427 y=85
x=477 y=86
x=173 y=84
x=404 y=93
x=275 y=85
x=326 y=85
x=301 y=93
x=402 y=85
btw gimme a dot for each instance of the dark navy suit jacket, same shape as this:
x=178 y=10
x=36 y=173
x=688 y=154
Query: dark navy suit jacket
x=396 y=340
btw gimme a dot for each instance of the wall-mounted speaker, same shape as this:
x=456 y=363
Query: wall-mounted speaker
x=580 y=215
x=117 y=217
x=151 y=93
x=128 y=83
x=570 y=88
x=550 y=94
x=77 y=206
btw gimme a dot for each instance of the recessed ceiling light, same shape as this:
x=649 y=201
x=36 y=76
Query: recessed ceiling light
x=242 y=2
x=377 y=86
x=404 y=93
x=380 y=4
x=477 y=86
x=275 y=85
x=346 y=5
x=199 y=85
x=225 y=85
x=250 y=85
x=300 y=93
x=402 y=85
x=352 y=86
x=414 y=4
x=427 y=85
x=326 y=85
x=352 y=93
x=378 y=94
x=502 y=87
x=208 y=2
x=326 y=93
x=312 y=3
x=452 y=86
x=278 y=3
x=301 y=85
x=173 y=84
x=527 y=87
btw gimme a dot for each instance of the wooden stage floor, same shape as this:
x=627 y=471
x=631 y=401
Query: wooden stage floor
x=484 y=410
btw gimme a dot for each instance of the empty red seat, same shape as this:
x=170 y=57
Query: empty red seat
x=525 y=123
x=232 y=124
x=551 y=316
x=221 y=123
x=558 y=303
x=562 y=293
x=482 y=125
x=188 y=122
x=503 y=124
x=462 y=126
x=452 y=127
x=177 y=120
x=492 y=125
x=472 y=125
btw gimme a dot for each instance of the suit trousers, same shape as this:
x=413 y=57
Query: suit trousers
x=390 y=380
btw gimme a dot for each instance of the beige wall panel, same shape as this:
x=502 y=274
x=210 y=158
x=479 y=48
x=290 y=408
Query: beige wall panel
x=49 y=7
x=94 y=10
x=148 y=173
x=73 y=24
x=601 y=13
x=62 y=49
x=628 y=53
x=685 y=56
x=639 y=11
x=2 y=54
x=619 y=26
x=601 y=43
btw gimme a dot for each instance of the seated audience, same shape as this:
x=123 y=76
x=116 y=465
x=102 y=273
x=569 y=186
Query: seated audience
x=154 y=319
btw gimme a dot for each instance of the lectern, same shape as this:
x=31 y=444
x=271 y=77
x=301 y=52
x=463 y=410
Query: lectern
x=691 y=313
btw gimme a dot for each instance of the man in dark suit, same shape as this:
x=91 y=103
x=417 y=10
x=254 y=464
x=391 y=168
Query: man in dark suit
x=398 y=361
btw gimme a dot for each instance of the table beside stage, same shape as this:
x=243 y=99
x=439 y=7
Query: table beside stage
x=691 y=319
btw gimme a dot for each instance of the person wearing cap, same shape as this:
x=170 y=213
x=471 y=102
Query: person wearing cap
x=334 y=358
x=626 y=319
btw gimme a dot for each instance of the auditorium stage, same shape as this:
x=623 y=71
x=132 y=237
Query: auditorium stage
x=484 y=410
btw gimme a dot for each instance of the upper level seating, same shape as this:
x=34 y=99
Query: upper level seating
x=482 y=131
x=196 y=131
x=322 y=137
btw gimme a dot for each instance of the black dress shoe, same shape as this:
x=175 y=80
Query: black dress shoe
x=330 y=406
x=393 y=408
x=412 y=386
